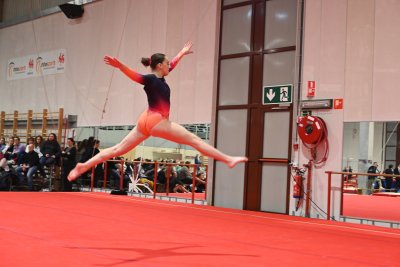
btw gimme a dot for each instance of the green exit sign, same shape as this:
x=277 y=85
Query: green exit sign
x=277 y=94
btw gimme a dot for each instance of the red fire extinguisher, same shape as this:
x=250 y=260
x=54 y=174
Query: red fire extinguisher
x=297 y=186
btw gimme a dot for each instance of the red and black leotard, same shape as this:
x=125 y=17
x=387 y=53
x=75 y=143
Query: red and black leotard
x=157 y=90
x=158 y=96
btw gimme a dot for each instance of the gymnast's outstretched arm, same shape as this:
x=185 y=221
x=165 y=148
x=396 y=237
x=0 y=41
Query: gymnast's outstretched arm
x=112 y=61
x=185 y=51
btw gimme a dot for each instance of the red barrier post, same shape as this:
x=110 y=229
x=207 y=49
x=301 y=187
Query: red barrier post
x=341 y=196
x=92 y=179
x=193 y=181
x=155 y=179
x=168 y=177
x=121 y=179
x=105 y=175
x=205 y=186
x=328 y=211
x=308 y=198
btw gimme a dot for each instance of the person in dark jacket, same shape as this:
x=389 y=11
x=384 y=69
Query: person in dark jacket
x=184 y=174
x=389 y=181
x=51 y=151
x=374 y=181
x=91 y=150
x=29 y=166
x=397 y=179
x=68 y=163
x=7 y=152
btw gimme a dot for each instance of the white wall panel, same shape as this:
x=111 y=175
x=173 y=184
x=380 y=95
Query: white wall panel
x=324 y=62
x=151 y=26
x=359 y=60
x=386 y=95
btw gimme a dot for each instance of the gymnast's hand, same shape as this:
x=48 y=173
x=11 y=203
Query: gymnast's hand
x=186 y=48
x=112 y=61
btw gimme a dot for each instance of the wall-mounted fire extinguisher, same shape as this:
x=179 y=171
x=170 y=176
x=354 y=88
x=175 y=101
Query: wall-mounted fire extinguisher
x=298 y=186
x=298 y=177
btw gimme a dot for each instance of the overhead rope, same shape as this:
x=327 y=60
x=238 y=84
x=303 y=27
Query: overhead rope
x=387 y=141
x=41 y=75
x=113 y=69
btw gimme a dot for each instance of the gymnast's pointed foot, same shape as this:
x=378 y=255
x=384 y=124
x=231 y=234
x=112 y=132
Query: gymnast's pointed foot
x=76 y=172
x=235 y=160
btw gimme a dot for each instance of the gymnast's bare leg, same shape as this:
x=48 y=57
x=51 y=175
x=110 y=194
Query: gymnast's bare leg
x=176 y=133
x=134 y=138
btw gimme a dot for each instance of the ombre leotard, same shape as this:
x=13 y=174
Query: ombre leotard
x=158 y=97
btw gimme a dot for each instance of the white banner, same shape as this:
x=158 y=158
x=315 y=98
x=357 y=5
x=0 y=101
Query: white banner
x=51 y=62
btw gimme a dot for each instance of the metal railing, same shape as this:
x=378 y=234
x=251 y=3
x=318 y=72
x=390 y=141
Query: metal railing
x=134 y=174
x=329 y=173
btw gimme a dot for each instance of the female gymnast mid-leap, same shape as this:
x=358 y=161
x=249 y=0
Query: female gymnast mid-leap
x=155 y=120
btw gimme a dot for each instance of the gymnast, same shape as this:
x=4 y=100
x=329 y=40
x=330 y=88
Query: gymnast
x=155 y=120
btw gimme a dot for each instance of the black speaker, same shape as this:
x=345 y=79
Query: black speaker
x=72 y=11
x=119 y=192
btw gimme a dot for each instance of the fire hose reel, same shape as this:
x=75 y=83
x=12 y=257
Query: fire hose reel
x=311 y=129
x=313 y=133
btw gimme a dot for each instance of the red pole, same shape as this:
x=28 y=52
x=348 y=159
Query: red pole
x=105 y=174
x=341 y=196
x=329 y=196
x=205 y=187
x=92 y=179
x=65 y=122
x=155 y=179
x=135 y=170
x=121 y=179
x=193 y=181
x=309 y=167
x=168 y=177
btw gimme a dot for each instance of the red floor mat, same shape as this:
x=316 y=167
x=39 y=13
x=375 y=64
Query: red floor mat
x=372 y=207
x=197 y=196
x=89 y=229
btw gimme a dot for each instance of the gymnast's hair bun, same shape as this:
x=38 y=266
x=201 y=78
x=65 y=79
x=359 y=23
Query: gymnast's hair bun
x=145 y=61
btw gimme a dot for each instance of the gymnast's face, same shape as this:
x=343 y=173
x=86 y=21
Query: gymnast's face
x=163 y=68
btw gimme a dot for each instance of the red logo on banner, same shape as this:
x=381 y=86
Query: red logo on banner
x=338 y=103
x=311 y=89
x=61 y=58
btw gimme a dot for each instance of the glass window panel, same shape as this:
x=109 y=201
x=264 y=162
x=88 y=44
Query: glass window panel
x=390 y=153
x=391 y=126
x=279 y=68
x=391 y=139
x=229 y=186
x=280 y=23
x=231 y=139
x=230 y=2
x=274 y=187
x=236 y=30
x=232 y=129
x=234 y=81
x=276 y=134
x=387 y=163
